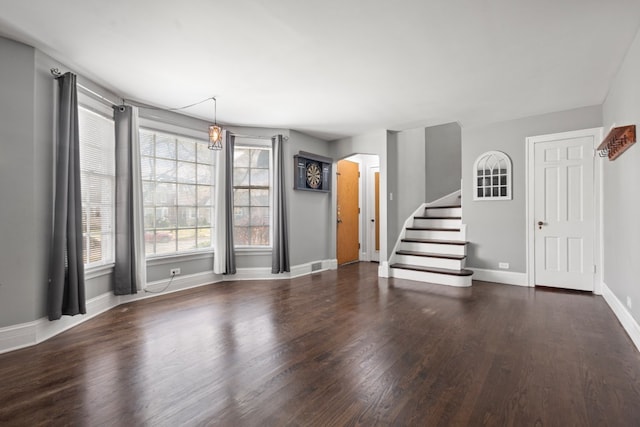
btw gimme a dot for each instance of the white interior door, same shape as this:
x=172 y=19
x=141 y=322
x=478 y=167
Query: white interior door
x=564 y=212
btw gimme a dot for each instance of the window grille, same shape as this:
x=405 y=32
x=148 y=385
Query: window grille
x=492 y=176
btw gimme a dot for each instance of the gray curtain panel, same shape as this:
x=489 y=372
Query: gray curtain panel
x=230 y=259
x=280 y=253
x=128 y=252
x=66 y=294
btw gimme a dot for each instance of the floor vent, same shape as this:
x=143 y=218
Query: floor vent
x=316 y=266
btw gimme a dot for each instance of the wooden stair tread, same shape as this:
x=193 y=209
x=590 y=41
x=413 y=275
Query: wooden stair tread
x=437 y=241
x=462 y=272
x=444 y=207
x=430 y=255
x=431 y=229
x=437 y=217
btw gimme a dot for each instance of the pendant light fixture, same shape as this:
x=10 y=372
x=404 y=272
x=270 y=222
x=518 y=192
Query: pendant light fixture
x=215 y=131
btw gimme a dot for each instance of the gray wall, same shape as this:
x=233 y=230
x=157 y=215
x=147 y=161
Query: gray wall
x=307 y=244
x=371 y=143
x=22 y=270
x=443 y=150
x=43 y=162
x=621 y=196
x=406 y=179
x=26 y=166
x=496 y=229
x=310 y=214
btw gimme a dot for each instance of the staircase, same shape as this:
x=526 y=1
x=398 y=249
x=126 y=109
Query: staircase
x=432 y=247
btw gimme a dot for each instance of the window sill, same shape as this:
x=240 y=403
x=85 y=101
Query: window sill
x=172 y=258
x=98 y=271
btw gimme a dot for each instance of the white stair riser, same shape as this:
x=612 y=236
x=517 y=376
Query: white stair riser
x=435 y=248
x=423 y=276
x=450 y=264
x=443 y=212
x=437 y=223
x=433 y=234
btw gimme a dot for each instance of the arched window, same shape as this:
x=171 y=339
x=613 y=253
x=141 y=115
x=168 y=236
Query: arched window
x=492 y=176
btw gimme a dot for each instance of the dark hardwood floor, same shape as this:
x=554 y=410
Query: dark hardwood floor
x=336 y=348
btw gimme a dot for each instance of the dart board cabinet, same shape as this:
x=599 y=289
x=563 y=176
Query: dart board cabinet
x=312 y=172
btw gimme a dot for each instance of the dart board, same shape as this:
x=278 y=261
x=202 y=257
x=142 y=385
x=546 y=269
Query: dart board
x=312 y=172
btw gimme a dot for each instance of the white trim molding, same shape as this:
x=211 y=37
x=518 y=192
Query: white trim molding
x=23 y=335
x=46 y=329
x=498 y=276
x=264 y=273
x=27 y=334
x=18 y=336
x=383 y=269
x=626 y=319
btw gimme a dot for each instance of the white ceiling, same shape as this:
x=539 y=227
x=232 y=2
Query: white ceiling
x=337 y=68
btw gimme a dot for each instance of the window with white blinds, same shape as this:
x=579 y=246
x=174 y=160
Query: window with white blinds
x=97 y=175
x=252 y=196
x=178 y=190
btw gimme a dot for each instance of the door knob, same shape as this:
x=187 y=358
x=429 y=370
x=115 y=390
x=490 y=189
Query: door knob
x=540 y=224
x=339 y=220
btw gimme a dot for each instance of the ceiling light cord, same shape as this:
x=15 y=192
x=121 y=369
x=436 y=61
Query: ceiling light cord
x=215 y=110
x=153 y=107
x=215 y=131
x=56 y=73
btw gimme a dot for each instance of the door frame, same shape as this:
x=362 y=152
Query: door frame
x=370 y=213
x=358 y=202
x=596 y=133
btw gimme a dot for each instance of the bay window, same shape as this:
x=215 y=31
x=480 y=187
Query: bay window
x=177 y=180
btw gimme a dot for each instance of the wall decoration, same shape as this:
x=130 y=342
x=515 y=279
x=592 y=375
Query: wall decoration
x=492 y=176
x=617 y=141
x=312 y=172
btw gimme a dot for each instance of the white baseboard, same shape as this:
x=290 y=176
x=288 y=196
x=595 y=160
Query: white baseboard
x=383 y=269
x=31 y=333
x=264 y=273
x=27 y=334
x=304 y=269
x=18 y=336
x=626 y=319
x=257 y=273
x=179 y=283
x=330 y=264
x=46 y=329
x=498 y=276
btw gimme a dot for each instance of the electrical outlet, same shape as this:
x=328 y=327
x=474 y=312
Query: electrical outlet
x=629 y=303
x=503 y=265
x=174 y=272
